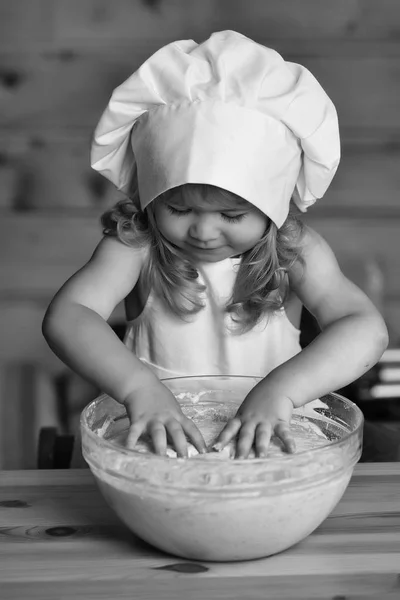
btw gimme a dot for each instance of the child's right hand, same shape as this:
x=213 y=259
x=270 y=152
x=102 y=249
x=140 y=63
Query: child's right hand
x=154 y=410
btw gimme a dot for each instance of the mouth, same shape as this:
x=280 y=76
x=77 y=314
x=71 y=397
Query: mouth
x=204 y=249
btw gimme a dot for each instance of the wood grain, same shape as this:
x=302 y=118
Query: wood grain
x=59 y=539
x=66 y=23
x=28 y=402
x=90 y=21
x=53 y=173
x=50 y=247
x=24 y=24
x=52 y=91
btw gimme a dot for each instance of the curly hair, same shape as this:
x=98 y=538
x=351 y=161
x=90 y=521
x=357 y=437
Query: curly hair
x=261 y=284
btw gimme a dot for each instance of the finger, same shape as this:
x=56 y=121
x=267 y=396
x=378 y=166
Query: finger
x=195 y=436
x=227 y=434
x=245 y=440
x=134 y=433
x=159 y=437
x=262 y=439
x=282 y=431
x=177 y=438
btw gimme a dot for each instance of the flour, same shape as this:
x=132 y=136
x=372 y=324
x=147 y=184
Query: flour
x=211 y=420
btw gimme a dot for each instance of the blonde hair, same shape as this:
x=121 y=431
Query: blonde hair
x=261 y=284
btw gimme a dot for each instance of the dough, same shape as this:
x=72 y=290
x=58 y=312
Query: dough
x=145 y=445
x=307 y=435
x=211 y=421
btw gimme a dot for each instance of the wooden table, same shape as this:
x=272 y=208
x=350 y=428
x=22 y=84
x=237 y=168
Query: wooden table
x=58 y=539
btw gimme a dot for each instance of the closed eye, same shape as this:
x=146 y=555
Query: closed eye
x=175 y=211
x=233 y=219
x=225 y=217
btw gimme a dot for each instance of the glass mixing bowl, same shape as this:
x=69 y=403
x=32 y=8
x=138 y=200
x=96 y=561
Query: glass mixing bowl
x=210 y=509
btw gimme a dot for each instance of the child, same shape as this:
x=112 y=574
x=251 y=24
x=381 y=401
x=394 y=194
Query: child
x=210 y=143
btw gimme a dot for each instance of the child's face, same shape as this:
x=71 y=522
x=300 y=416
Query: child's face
x=211 y=228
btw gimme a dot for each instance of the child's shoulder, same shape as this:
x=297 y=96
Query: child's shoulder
x=313 y=246
x=111 y=249
x=115 y=265
x=316 y=260
x=106 y=279
x=310 y=239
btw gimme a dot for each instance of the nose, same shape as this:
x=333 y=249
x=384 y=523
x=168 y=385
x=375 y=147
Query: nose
x=204 y=229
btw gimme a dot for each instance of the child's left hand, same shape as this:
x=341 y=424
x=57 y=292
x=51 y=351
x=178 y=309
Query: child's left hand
x=264 y=412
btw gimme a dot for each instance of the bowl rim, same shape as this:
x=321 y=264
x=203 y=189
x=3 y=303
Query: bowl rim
x=276 y=460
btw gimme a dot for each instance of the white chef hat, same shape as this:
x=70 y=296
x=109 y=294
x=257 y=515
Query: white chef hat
x=228 y=112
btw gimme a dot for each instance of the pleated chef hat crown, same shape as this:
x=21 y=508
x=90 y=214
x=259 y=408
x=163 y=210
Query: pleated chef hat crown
x=228 y=112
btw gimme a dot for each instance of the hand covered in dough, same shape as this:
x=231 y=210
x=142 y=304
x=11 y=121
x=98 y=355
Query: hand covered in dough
x=264 y=412
x=154 y=410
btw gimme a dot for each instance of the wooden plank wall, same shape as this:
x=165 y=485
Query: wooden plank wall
x=59 y=62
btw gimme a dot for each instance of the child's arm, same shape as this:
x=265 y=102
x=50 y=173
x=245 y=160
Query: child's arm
x=352 y=340
x=353 y=337
x=75 y=326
